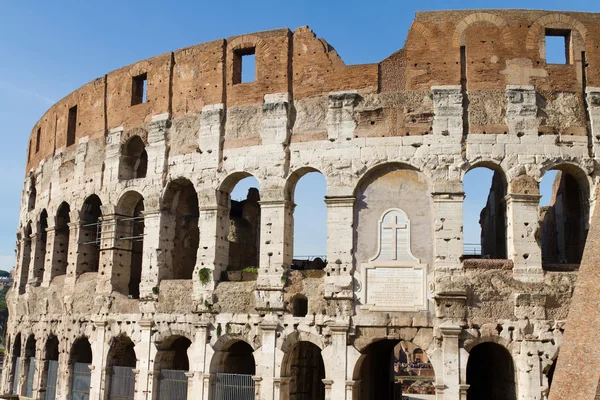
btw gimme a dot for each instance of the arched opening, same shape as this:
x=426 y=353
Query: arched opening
x=50 y=373
x=32 y=197
x=171 y=366
x=130 y=230
x=304 y=367
x=490 y=373
x=25 y=257
x=16 y=364
x=60 y=259
x=234 y=366
x=564 y=212
x=299 y=306
x=180 y=204
x=307 y=189
x=80 y=361
x=484 y=214
x=40 y=251
x=30 y=348
x=243 y=198
x=91 y=229
x=122 y=362
x=391 y=368
x=134 y=159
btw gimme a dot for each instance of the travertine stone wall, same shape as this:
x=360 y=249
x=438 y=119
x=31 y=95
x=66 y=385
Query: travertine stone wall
x=469 y=89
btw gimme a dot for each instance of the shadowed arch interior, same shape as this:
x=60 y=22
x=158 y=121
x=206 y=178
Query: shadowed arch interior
x=303 y=364
x=61 y=240
x=130 y=226
x=490 y=373
x=89 y=243
x=235 y=358
x=134 y=159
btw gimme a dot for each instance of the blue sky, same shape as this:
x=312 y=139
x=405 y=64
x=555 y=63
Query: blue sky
x=50 y=48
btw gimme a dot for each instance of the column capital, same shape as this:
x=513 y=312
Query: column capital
x=522 y=198
x=450 y=331
x=275 y=203
x=340 y=201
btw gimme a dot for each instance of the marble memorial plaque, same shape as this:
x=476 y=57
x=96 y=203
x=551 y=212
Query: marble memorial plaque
x=395 y=287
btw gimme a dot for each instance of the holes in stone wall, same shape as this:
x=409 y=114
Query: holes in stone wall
x=558 y=46
x=300 y=306
x=139 y=89
x=244 y=65
x=72 y=126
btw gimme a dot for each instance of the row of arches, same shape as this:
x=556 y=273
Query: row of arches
x=561 y=233
x=385 y=370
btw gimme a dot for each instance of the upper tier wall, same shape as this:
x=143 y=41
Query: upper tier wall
x=500 y=48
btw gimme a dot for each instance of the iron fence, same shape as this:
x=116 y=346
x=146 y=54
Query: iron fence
x=30 y=374
x=173 y=385
x=80 y=385
x=51 y=380
x=233 y=387
x=122 y=383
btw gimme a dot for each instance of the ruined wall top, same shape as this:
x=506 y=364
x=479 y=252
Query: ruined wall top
x=501 y=48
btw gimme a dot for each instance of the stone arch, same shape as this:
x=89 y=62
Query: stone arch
x=233 y=355
x=39 y=257
x=121 y=361
x=424 y=31
x=499 y=340
x=490 y=372
x=303 y=370
x=130 y=231
x=294 y=177
x=49 y=372
x=89 y=235
x=16 y=363
x=379 y=166
x=243 y=44
x=25 y=259
x=180 y=208
x=292 y=338
x=133 y=162
x=60 y=256
x=535 y=32
x=480 y=17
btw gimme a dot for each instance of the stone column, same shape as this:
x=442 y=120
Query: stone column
x=281 y=388
x=206 y=386
x=528 y=373
x=21 y=387
x=38 y=256
x=53 y=254
x=157 y=146
x=351 y=388
x=154 y=252
x=73 y=267
x=265 y=368
x=143 y=350
x=98 y=361
x=335 y=354
x=197 y=358
x=449 y=242
x=523 y=216
x=23 y=261
x=340 y=236
x=276 y=244
x=190 y=377
x=450 y=375
x=593 y=110
x=213 y=249
x=112 y=155
x=115 y=254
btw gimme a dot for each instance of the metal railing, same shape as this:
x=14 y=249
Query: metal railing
x=51 y=380
x=472 y=249
x=122 y=383
x=234 y=387
x=98 y=227
x=309 y=262
x=173 y=385
x=80 y=385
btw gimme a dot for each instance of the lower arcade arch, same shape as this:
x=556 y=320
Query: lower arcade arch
x=121 y=363
x=80 y=362
x=490 y=373
x=171 y=367
x=50 y=368
x=303 y=372
x=389 y=369
x=233 y=367
x=29 y=364
x=16 y=364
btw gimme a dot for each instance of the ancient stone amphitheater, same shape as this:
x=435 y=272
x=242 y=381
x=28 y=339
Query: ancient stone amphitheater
x=139 y=278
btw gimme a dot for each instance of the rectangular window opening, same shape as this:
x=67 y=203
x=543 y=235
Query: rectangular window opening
x=558 y=46
x=37 y=140
x=244 y=65
x=72 y=126
x=139 y=89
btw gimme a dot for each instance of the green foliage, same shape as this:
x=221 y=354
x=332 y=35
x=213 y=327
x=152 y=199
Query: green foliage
x=228 y=328
x=208 y=305
x=229 y=268
x=4 y=274
x=250 y=269
x=284 y=278
x=155 y=290
x=219 y=330
x=204 y=275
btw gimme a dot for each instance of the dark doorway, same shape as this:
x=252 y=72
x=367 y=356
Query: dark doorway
x=306 y=371
x=490 y=373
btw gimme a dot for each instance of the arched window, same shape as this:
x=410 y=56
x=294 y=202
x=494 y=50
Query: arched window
x=130 y=230
x=181 y=203
x=122 y=362
x=50 y=372
x=134 y=159
x=80 y=361
x=91 y=229
x=307 y=189
x=30 y=348
x=32 y=197
x=564 y=215
x=484 y=214
x=39 y=257
x=490 y=373
x=304 y=367
x=60 y=258
x=16 y=364
x=244 y=225
x=171 y=365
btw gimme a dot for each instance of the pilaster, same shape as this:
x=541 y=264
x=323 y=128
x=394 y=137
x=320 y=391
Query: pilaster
x=265 y=368
x=335 y=354
x=112 y=153
x=340 y=115
x=593 y=110
x=451 y=379
x=449 y=243
x=211 y=135
x=521 y=110
x=142 y=350
x=157 y=146
x=153 y=254
x=448 y=110
x=115 y=255
x=38 y=256
x=98 y=361
x=340 y=218
x=522 y=247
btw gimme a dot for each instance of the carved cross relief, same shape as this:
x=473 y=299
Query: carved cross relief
x=394 y=237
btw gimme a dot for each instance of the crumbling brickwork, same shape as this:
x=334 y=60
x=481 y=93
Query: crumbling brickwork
x=127 y=227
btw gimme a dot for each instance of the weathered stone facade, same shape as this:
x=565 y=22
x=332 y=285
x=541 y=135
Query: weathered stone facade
x=393 y=140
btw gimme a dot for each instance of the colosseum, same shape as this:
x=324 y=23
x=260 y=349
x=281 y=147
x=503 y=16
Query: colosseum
x=139 y=277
